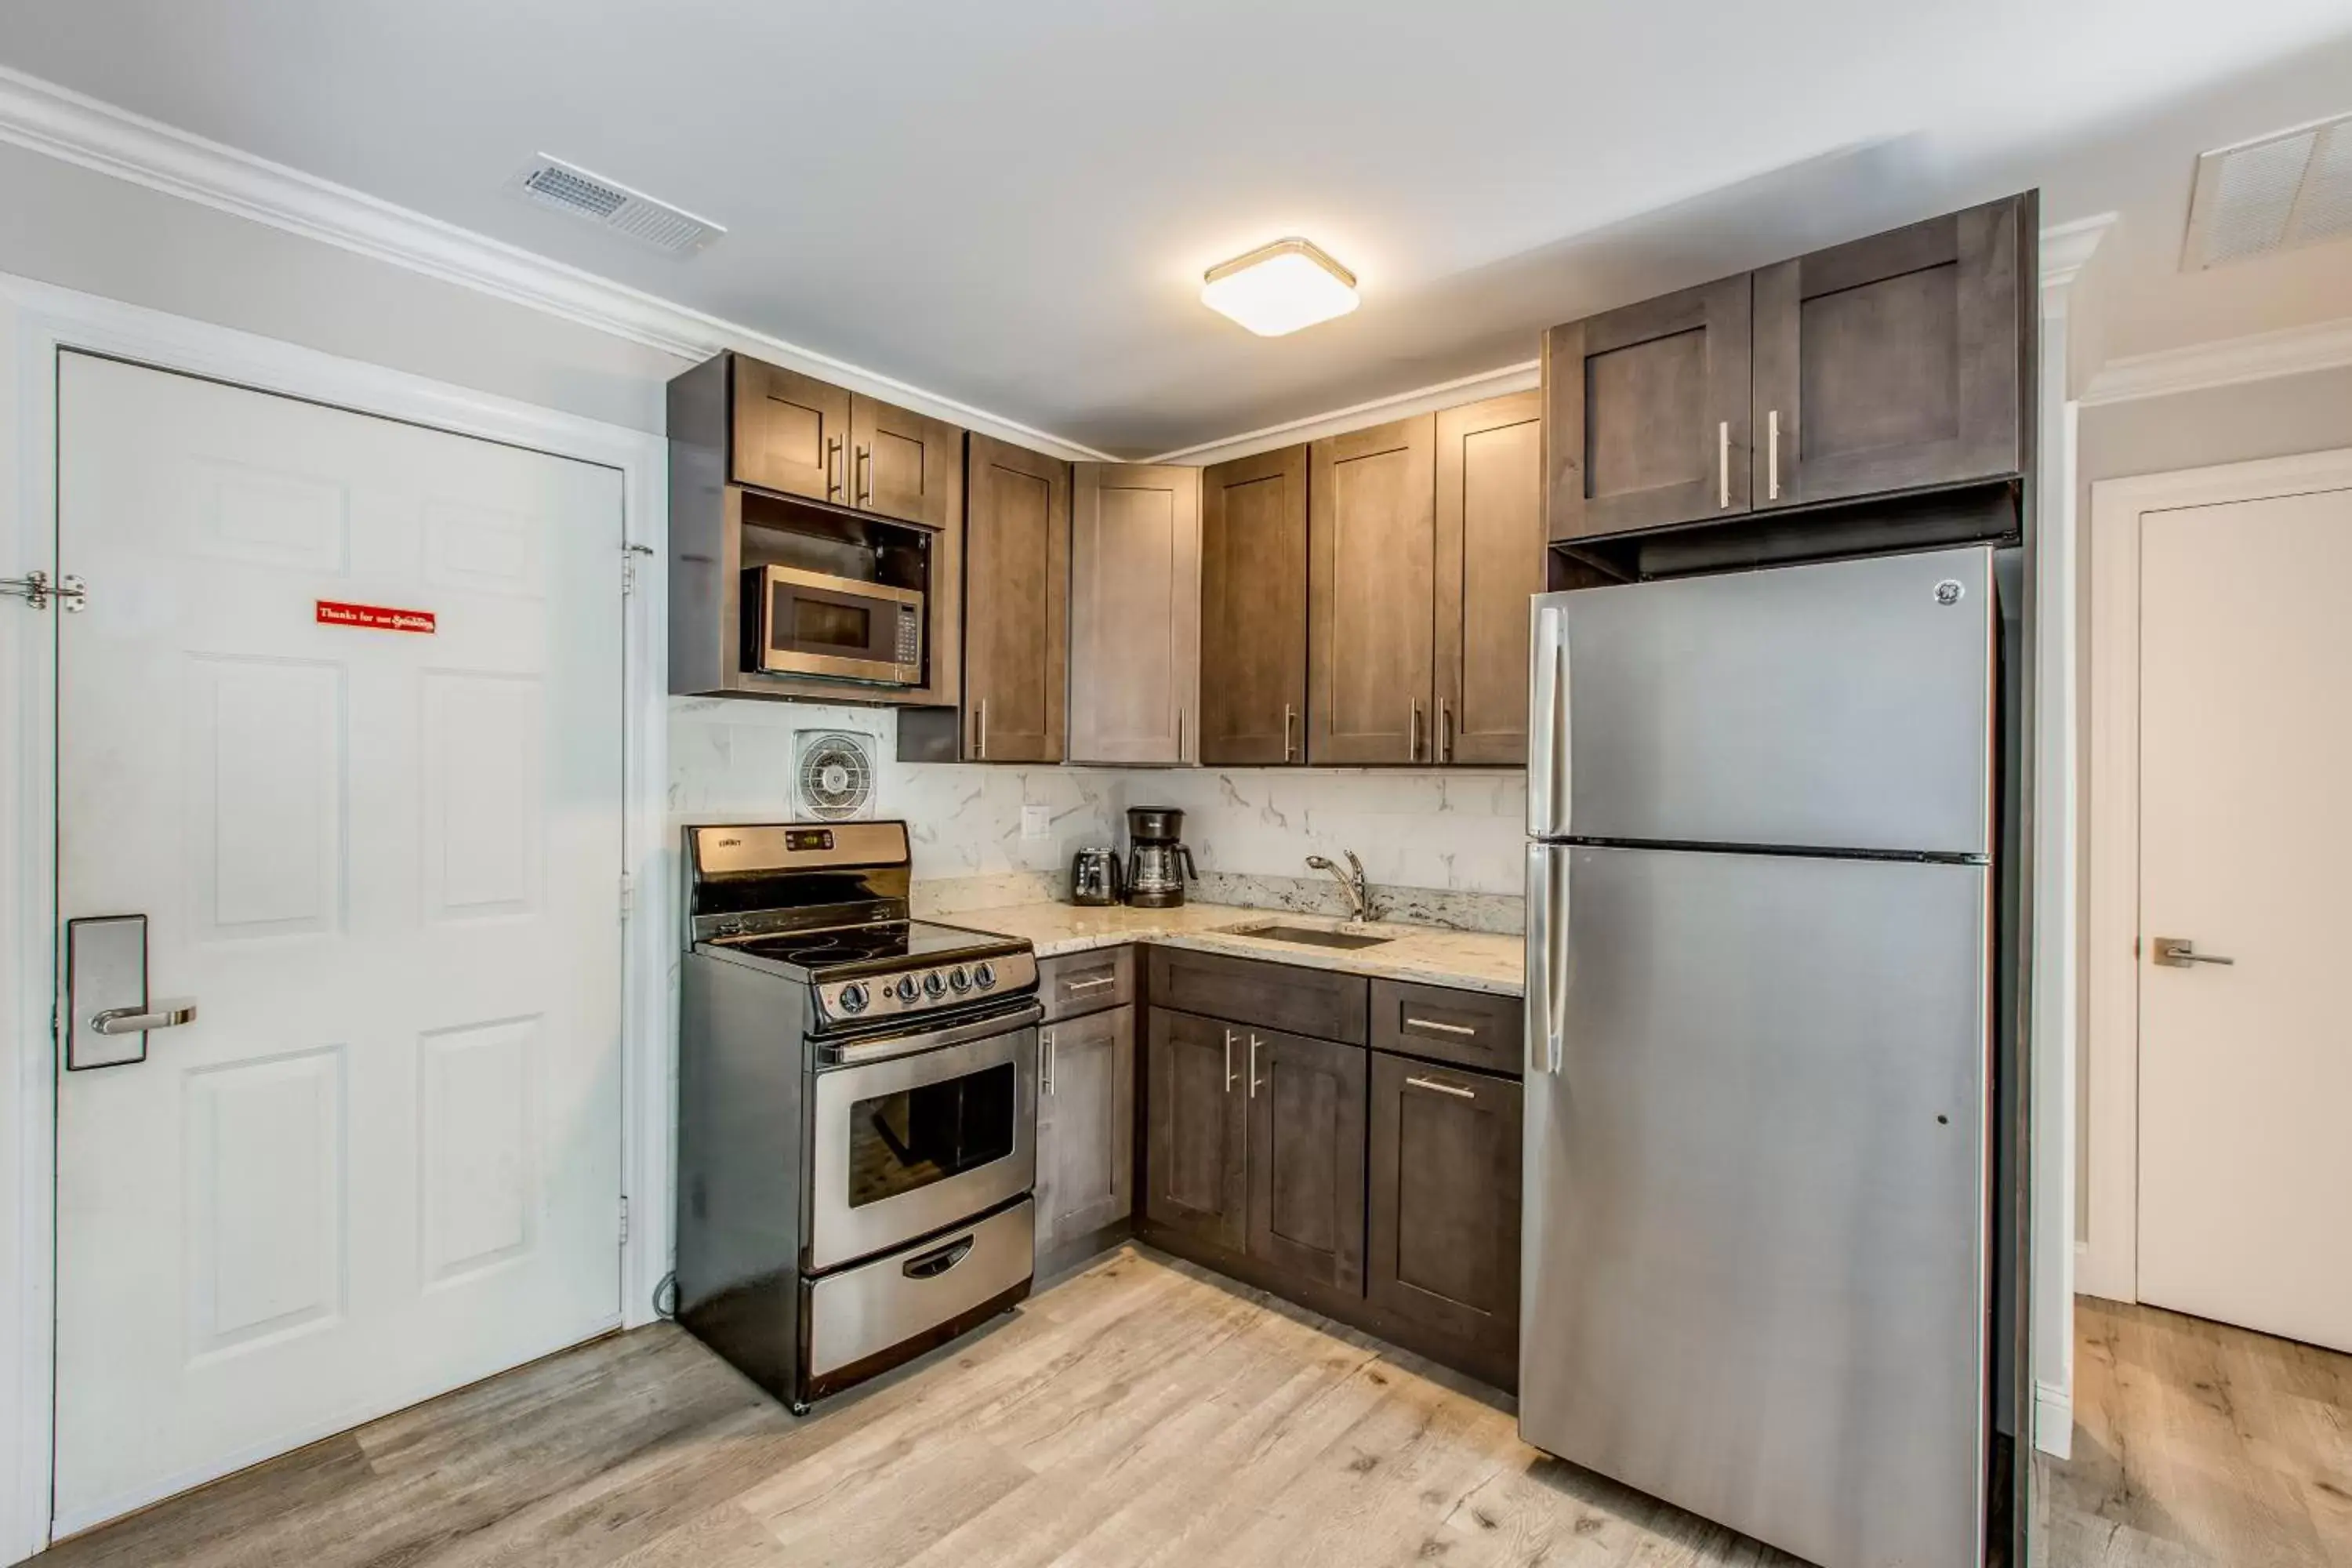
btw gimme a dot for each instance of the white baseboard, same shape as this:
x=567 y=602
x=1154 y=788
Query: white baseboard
x=2054 y=1420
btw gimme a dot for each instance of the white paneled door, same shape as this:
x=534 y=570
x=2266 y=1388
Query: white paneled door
x=382 y=853
x=2245 y=1067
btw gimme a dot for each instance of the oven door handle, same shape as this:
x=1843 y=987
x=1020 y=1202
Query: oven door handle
x=938 y=1260
x=885 y=1047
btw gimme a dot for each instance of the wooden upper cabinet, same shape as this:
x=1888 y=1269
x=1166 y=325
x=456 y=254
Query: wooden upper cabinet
x=1254 y=610
x=1374 y=557
x=1135 y=614
x=791 y=432
x=1648 y=414
x=1893 y=363
x=904 y=465
x=1016 y=603
x=1490 y=561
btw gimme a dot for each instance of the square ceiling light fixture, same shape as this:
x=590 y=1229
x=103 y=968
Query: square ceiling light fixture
x=1280 y=287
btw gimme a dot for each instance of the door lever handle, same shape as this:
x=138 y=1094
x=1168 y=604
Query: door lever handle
x=139 y=1020
x=2179 y=953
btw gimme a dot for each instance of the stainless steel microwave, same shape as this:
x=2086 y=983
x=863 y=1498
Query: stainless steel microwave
x=812 y=623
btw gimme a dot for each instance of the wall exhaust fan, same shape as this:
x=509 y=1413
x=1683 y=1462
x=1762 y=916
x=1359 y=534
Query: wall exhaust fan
x=2272 y=194
x=833 y=775
x=568 y=188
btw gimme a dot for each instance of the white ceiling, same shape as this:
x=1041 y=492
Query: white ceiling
x=1011 y=204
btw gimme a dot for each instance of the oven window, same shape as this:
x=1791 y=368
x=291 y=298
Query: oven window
x=821 y=623
x=918 y=1136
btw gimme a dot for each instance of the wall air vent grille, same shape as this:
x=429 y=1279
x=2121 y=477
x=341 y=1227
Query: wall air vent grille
x=2273 y=194
x=551 y=183
x=833 y=775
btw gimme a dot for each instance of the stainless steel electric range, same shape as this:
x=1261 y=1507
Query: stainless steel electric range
x=857 y=1103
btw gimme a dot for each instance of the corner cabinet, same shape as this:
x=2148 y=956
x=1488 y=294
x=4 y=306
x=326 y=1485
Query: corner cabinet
x=1371 y=497
x=1891 y=364
x=1135 y=614
x=1254 y=610
x=1490 y=561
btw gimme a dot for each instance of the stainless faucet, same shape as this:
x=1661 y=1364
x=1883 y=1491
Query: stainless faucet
x=1351 y=881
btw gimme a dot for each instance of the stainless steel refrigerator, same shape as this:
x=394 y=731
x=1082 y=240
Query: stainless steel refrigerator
x=1760 y=999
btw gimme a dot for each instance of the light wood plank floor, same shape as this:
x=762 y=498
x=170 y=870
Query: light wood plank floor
x=2199 y=1445
x=1142 y=1412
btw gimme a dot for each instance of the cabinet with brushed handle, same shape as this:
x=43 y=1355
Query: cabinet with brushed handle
x=1253 y=627
x=1135 y=613
x=1086 y=1130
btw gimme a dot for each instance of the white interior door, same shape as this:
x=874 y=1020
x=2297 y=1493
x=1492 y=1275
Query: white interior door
x=384 y=1158
x=2245 y=1068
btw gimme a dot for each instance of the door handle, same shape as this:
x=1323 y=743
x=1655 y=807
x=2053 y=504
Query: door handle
x=1444 y=729
x=1229 y=1061
x=1255 y=1043
x=1413 y=1023
x=865 y=476
x=833 y=483
x=1723 y=464
x=980 y=733
x=1457 y=1091
x=2179 y=953
x=1412 y=742
x=1289 y=719
x=1772 y=456
x=109 y=1013
x=171 y=1015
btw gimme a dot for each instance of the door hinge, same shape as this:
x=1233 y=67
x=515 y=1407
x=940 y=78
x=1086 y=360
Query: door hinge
x=628 y=895
x=629 y=553
x=36 y=589
x=624 y=1220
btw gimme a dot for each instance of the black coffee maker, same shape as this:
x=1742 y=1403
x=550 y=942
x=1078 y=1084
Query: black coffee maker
x=1157 y=863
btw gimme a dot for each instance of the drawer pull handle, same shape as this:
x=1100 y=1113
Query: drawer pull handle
x=938 y=1261
x=1089 y=984
x=1229 y=1061
x=1456 y=1090
x=1413 y=1023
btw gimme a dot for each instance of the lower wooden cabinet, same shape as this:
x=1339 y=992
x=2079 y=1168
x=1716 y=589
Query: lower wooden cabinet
x=1445 y=1208
x=1193 y=1149
x=1086 y=1126
x=1306 y=1133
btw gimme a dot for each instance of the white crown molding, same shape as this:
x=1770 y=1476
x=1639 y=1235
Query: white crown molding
x=1356 y=415
x=66 y=126
x=2295 y=351
x=2067 y=248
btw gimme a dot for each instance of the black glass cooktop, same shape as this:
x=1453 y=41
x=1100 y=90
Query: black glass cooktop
x=915 y=942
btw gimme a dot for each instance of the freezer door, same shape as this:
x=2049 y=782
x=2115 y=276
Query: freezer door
x=1847 y=706
x=1755 y=1238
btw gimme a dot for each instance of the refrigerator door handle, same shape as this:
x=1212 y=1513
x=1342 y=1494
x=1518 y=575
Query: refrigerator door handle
x=1547 y=735
x=1546 y=1002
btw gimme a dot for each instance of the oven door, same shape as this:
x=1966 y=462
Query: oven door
x=908 y=1142
x=812 y=623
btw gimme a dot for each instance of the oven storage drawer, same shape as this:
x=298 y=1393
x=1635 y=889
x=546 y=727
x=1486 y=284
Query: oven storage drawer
x=902 y=1147
x=860 y=1312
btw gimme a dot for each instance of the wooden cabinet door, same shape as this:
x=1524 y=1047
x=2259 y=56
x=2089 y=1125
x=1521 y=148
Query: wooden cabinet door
x=1893 y=363
x=1646 y=414
x=1490 y=562
x=905 y=464
x=1135 y=614
x=1086 y=1125
x=1016 y=603
x=1371 y=496
x=791 y=432
x=1195 y=1154
x=1305 y=1100
x=1254 y=610
x=1445 y=1223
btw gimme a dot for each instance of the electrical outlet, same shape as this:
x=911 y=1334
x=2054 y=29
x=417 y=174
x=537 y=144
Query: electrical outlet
x=1037 y=822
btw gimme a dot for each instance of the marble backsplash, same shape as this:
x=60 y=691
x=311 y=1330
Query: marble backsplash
x=1441 y=848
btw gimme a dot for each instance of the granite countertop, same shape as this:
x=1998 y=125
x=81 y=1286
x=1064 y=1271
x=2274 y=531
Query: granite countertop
x=1435 y=955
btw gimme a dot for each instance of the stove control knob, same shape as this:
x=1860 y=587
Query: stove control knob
x=984 y=975
x=935 y=984
x=854 y=997
x=906 y=988
x=960 y=978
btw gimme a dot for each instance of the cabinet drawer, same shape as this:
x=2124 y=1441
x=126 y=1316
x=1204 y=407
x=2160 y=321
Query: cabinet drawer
x=1074 y=983
x=1476 y=1028
x=1287 y=996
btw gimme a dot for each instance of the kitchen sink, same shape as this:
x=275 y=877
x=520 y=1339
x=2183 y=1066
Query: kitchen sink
x=1312 y=936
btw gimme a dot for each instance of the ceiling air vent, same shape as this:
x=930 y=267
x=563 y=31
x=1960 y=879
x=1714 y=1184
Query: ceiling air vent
x=567 y=187
x=2273 y=194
